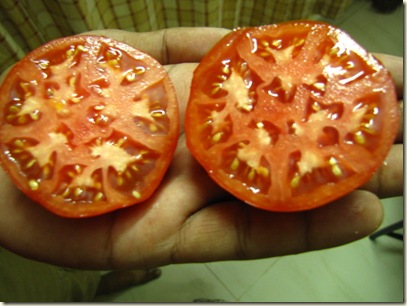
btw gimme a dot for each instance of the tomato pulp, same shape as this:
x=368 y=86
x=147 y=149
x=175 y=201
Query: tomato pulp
x=88 y=125
x=289 y=117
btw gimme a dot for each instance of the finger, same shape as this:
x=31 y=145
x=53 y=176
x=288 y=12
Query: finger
x=388 y=179
x=395 y=66
x=170 y=46
x=4 y=74
x=400 y=131
x=181 y=76
x=235 y=231
x=31 y=231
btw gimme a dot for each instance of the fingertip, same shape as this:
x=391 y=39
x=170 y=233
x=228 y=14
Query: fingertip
x=169 y=46
x=387 y=181
x=394 y=64
x=348 y=219
x=190 y=44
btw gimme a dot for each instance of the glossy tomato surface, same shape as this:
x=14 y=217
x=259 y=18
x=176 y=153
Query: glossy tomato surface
x=87 y=125
x=289 y=117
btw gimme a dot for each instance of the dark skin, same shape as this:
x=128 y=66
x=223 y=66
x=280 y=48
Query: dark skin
x=190 y=218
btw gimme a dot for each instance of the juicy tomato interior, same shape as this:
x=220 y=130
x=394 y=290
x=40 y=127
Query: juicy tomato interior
x=289 y=117
x=87 y=125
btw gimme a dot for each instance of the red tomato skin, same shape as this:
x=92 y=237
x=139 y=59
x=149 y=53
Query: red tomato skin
x=161 y=147
x=240 y=44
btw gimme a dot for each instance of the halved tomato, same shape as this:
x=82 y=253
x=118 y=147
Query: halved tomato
x=291 y=116
x=87 y=125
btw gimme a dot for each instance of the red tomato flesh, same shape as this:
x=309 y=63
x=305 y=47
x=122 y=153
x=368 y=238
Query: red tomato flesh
x=87 y=125
x=289 y=117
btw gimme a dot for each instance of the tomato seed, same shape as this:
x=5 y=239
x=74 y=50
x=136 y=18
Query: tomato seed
x=235 y=164
x=366 y=128
x=50 y=93
x=336 y=170
x=140 y=70
x=278 y=43
x=217 y=137
x=82 y=48
x=72 y=81
x=102 y=120
x=19 y=143
x=252 y=174
x=33 y=184
x=43 y=64
x=335 y=50
x=14 y=109
x=114 y=63
x=75 y=98
x=65 y=193
x=128 y=174
x=78 y=191
x=22 y=120
x=153 y=127
x=246 y=106
x=35 y=116
x=46 y=171
x=99 y=196
x=70 y=53
x=136 y=194
x=266 y=46
x=319 y=86
x=215 y=90
x=120 y=142
x=30 y=163
x=99 y=107
x=295 y=181
x=298 y=42
x=349 y=65
x=120 y=180
x=26 y=88
x=10 y=118
x=263 y=171
x=222 y=77
x=226 y=69
x=360 y=138
x=130 y=76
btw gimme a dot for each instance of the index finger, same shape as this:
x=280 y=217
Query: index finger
x=169 y=46
x=394 y=64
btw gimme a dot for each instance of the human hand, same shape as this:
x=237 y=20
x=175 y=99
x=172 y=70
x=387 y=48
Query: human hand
x=190 y=218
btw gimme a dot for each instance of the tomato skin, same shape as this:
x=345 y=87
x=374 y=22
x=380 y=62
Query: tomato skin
x=292 y=116
x=88 y=125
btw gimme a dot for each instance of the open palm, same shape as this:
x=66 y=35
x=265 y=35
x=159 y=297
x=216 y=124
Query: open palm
x=190 y=218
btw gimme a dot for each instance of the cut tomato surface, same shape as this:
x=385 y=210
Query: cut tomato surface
x=88 y=125
x=289 y=117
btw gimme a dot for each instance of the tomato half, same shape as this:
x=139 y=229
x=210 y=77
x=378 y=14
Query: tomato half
x=88 y=125
x=291 y=116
